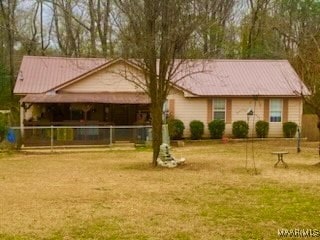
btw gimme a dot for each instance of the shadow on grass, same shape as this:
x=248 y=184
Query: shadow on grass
x=247 y=171
x=147 y=166
x=150 y=167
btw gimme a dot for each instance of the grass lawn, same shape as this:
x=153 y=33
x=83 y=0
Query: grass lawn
x=119 y=195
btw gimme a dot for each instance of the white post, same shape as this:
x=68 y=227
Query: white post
x=110 y=136
x=51 y=135
x=22 y=115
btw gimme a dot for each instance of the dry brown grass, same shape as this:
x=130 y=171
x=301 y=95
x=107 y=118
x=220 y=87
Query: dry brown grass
x=119 y=195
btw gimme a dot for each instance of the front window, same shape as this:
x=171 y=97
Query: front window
x=219 y=109
x=275 y=110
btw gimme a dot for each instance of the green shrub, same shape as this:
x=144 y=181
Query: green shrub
x=240 y=129
x=196 y=129
x=216 y=128
x=262 y=129
x=176 y=128
x=289 y=129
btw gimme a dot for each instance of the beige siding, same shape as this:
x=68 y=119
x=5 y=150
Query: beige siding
x=294 y=114
x=188 y=109
x=111 y=79
x=240 y=107
x=275 y=129
x=295 y=110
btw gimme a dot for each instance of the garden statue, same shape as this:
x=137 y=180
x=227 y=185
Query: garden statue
x=165 y=159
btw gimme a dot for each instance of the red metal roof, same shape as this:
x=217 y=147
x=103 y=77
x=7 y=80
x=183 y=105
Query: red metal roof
x=116 y=98
x=40 y=74
x=244 y=78
x=199 y=77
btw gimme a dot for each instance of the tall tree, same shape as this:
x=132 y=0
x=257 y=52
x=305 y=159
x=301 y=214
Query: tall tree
x=217 y=14
x=7 y=12
x=159 y=32
x=103 y=12
x=253 y=26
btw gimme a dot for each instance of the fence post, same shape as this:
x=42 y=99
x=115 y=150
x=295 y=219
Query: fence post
x=51 y=135
x=110 y=136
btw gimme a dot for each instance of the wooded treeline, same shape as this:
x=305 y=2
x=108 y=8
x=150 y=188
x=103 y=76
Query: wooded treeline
x=97 y=28
x=273 y=29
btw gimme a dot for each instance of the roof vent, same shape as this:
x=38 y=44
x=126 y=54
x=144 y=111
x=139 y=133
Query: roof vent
x=52 y=92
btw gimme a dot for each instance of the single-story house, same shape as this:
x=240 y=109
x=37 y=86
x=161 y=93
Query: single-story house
x=91 y=91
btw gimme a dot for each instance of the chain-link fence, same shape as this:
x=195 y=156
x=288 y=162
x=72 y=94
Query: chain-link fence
x=52 y=136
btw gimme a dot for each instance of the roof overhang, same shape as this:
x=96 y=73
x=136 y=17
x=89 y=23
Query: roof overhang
x=115 y=98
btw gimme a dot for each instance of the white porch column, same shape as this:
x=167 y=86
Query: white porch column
x=22 y=116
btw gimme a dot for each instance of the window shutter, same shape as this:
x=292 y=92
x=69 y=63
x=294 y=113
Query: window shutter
x=209 y=110
x=229 y=110
x=171 y=107
x=266 y=110
x=285 y=110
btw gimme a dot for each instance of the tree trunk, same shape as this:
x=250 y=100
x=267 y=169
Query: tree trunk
x=103 y=12
x=156 y=112
x=93 y=36
x=9 y=20
x=319 y=132
x=60 y=41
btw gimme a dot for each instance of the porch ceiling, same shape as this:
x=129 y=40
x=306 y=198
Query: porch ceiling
x=115 y=98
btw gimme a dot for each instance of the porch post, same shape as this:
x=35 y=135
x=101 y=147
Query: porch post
x=51 y=138
x=22 y=116
x=110 y=135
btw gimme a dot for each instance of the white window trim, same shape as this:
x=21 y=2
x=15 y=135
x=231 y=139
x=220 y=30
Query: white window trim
x=271 y=109
x=225 y=108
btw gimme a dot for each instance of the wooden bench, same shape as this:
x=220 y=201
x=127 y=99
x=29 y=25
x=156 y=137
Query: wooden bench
x=280 y=158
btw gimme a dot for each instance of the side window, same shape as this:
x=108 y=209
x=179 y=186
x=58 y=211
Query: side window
x=219 y=109
x=275 y=110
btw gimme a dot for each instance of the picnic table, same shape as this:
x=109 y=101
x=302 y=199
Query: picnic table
x=280 y=158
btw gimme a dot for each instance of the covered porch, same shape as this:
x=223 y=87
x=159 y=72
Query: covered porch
x=86 y=117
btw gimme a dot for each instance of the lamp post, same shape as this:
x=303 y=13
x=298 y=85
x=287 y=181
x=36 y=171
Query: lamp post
x=299 y=140
x=165 y=130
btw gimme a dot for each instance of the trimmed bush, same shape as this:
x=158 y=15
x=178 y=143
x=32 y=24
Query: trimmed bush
x=262 y=129
x=196 y=129
x=216 y=128
x=289 y=129
x=176 y=128
x=240 y=129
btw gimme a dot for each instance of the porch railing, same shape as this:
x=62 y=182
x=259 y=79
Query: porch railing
x=53 y=136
